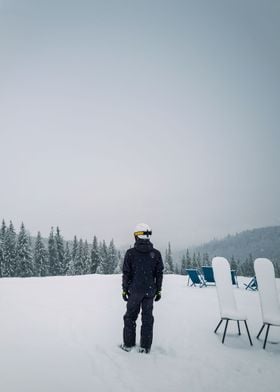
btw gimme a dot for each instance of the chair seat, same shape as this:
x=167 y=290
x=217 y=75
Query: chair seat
x=234 y=315
x=272 y=319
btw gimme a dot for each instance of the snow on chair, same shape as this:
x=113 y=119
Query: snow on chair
x=227 y=302
x=269 y=300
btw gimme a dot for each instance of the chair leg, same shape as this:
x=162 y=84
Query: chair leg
x=266 y=335
x=239 y=333
x=259 y=334
x=218 y=325
x=225 y=331
x=245 y=322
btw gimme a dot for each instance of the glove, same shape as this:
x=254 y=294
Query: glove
x=125 y=295
x=158 y=296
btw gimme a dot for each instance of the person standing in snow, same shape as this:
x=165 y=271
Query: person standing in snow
x=141 y=283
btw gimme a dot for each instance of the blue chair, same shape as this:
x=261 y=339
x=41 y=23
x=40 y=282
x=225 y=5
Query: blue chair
x=208 y=274
x=195 y=277
x=234 y=280
x=252 y=285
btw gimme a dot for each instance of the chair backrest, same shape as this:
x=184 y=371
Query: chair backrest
x=234 y=277
x=224 y=287
x=208 y=273
x=193 y=274
x=267 y=289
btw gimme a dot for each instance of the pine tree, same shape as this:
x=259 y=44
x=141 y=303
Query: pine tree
x=112 y=258
x=2 y=243
x=183 y=265
x=24 y=260
x=103 y=253
x=205 y=259
x=188 y=260
x=198 y=260
x=74 y=255
x=194 y=261
x=9 y=252
x=40 y=257
x=168 y=262
x=78 y=262
x=95 y=259
x=60 y=253
x=247 y=267
x=118 y=269
x=53 y=255
x=86 y=258
x=233 y=263
x=68 y=261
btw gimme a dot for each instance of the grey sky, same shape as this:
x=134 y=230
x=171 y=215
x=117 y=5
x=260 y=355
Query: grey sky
x=118 y=112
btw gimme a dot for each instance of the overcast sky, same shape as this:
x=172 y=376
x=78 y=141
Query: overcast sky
x=119 y=112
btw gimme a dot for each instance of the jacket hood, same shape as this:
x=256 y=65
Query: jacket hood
x=143 y=246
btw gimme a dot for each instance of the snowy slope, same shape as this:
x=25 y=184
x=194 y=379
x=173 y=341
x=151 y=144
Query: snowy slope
x=62 y=334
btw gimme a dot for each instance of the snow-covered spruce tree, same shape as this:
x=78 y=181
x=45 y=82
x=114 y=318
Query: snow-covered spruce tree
x=233 y=264
x=68 y=260
x=194 y=261
x=2 y=243
x=188 y=259
x=94 y=256
x=118 y=269
x=24 y=259
x=54 y=267
x=168 y=261
x=198 y=259
x=103 y=254
x=247 y=267
x=86 y=258
x=205 y=259
x=112 y=258
x=183 y=265
x=41 y=267
x=74 y=254
x=78 y=262
x=9 y=252
x=60 y=253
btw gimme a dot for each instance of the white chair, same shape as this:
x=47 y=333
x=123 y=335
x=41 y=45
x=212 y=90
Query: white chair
x=227 y=302
x=269 y=300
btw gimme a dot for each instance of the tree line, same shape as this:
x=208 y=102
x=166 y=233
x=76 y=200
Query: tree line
x=20 y=256
x=242 y=267
x=23 y=256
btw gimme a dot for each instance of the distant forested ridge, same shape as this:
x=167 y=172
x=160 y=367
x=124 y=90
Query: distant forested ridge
x=262 y=242
x=240 y=249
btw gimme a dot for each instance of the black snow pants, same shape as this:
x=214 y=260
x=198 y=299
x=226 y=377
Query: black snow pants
x=135 y=302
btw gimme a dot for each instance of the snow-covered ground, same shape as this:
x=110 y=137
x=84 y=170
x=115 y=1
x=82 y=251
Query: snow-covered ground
x=62 y=334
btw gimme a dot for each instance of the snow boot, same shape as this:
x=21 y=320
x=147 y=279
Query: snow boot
x=144 y=350
x=125 y=348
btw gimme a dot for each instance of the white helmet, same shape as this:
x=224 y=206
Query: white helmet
x=143 y=231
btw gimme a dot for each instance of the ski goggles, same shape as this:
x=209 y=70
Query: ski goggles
x=147 y=233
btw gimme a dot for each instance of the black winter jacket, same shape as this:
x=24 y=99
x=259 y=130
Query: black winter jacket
x=142 y=269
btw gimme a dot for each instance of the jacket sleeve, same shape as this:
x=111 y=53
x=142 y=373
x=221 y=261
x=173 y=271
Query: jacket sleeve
x=159 y=272
x=127 y=273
